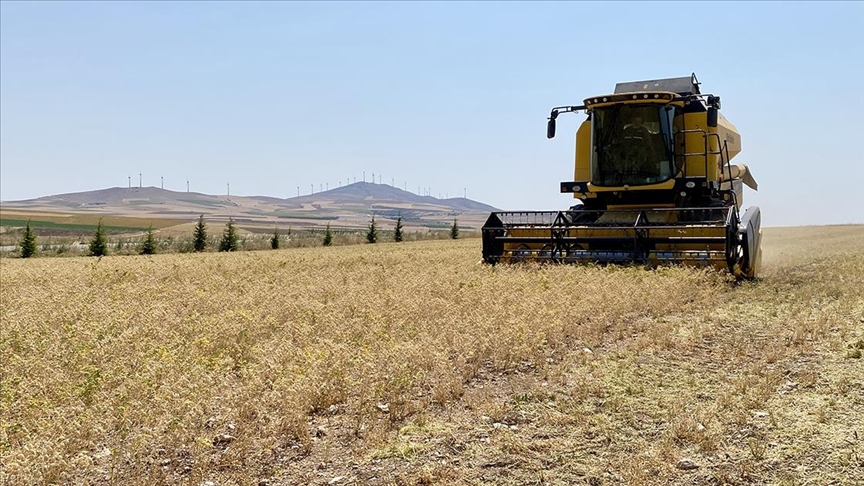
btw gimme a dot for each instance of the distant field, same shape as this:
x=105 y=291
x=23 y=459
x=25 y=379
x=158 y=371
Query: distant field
x=66 y=226
x=416 y=364
x=307 y=216
x=82 y=222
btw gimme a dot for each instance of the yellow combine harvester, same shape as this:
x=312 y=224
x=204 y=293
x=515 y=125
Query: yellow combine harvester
x=656 y=185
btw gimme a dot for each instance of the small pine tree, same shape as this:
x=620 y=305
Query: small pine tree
x=328 y=236
x=397 y=234
x=229 y=237
x=148 y=247
x=454 y=230
x=200 y=234
x=99 y=245
x=28 y=242
x=274 y=241
x=372 y=234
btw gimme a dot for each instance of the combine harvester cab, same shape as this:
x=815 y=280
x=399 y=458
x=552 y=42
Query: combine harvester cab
x=656 y=185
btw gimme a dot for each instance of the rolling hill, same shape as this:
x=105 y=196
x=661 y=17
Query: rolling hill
x=349 y=206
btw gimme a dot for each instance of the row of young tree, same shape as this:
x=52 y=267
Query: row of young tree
x=372 y=232
x=98 y=245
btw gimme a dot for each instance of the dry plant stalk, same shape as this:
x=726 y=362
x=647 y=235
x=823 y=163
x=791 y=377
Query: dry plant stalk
x=416 y=363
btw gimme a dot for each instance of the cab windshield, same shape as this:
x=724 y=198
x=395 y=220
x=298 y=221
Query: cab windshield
x=632 y=145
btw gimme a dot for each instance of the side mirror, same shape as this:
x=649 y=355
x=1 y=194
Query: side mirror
x=713 y=115
x=550 y=128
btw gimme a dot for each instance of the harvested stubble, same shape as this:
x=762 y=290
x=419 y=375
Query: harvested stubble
x=416 y=363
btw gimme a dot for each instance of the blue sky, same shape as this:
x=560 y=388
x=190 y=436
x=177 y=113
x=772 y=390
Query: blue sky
x=270 y=96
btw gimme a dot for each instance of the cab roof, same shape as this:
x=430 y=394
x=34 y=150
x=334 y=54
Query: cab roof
x=684 y=86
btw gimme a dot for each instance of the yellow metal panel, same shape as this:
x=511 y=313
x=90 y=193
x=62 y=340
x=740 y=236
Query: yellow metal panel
x=714 y=160
x=690 y=231
x=694 y=143
x=583 y=152
x=729 y=135
x=527 y=232
x=666 y=185
x=601 y=233
x=664 y=97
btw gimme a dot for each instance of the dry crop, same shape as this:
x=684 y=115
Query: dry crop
x=416 y=364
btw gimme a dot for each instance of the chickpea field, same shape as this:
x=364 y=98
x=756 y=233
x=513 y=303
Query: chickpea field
x=414 y=363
